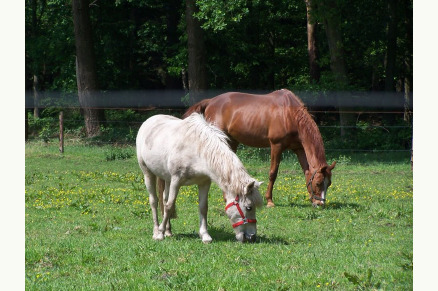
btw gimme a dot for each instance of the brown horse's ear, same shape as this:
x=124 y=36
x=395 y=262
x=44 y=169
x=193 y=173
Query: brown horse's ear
x=323 y=169
x=332 y=166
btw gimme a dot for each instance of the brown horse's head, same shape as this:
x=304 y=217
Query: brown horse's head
x=318 y=182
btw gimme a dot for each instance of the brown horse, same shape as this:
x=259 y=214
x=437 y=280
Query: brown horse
x=278 y=120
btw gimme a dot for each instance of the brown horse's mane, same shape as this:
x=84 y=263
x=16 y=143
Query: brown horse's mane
x=308 y=131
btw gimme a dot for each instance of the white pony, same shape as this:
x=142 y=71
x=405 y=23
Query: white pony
x=192 y=151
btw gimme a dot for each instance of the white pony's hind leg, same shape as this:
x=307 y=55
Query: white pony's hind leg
x=163 y=194
x=203 y=209
x=168 y=231
x=150 y=181
x=169 y=206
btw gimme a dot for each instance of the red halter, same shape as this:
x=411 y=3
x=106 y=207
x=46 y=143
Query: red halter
x=244 y=219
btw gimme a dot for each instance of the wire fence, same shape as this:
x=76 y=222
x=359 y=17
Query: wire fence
x=363 y=137
x=377 y=120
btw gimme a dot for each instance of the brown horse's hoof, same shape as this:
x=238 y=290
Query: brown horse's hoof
x=270 y=204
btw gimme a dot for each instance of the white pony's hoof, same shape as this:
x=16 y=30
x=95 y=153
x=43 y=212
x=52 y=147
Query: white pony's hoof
x=206 y=238
x=158 y=236
x=168 y=233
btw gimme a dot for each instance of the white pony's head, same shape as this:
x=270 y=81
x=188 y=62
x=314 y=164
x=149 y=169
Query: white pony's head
x=241 y=210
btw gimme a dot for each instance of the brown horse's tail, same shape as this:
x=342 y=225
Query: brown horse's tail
x=161 y=185
x=198 y=107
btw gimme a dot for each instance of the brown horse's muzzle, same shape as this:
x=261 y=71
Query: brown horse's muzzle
x=318 y=203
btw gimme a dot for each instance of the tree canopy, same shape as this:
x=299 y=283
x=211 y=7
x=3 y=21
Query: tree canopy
x=142 y=44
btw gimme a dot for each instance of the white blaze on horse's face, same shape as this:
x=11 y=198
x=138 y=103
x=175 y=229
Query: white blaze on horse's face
x=318 y=184
x=323 y=181
x=325 y=189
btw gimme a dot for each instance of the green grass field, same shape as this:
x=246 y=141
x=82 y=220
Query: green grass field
x=89 y=227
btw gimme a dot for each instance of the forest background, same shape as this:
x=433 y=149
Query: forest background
x=351 y=59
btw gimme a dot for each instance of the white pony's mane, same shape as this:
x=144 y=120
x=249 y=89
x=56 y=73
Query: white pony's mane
x=213 y=147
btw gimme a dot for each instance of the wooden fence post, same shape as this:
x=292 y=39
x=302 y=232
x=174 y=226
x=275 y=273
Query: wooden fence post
x=412 y=155
x=26 y=134
x=61 y=132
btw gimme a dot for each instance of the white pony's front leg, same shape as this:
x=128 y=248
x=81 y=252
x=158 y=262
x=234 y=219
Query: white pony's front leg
x=169 y=206
x=203 y=209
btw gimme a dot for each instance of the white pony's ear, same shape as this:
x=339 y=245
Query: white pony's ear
x=257 y=198
x=248 y=188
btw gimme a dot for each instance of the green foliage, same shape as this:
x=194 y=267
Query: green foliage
x=216 y=14
x=369 y=135
x=257 y=52
x=44 y=127
x=139 y=44
x=121 y=126
x=343 y=159
x=261 y=154
x=250 y=153
x=50 y=45
x=119 y=154
x=46 y=133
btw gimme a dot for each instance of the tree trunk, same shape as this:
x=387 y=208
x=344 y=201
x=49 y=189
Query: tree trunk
x=407 y=101
x=197 y=73
x=272 y=61
x=185 y=80
x=337 y=62
x=311 y=44
x=34 y=31
x=61 y=132
x=36 y=97
x=26 y=126
x=391 y=46
x=408 y=18
x=85 y=67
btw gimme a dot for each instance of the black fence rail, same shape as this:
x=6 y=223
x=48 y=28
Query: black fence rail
x=180 y=99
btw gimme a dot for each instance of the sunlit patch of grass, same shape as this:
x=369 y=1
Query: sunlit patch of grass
x=89 y=225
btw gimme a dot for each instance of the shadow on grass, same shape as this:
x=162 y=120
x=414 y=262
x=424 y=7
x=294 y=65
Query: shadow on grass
x=183 y=236
x=218 y=234
x=221 y=235
x=271 y=240
x=341 y=205
x=334 y=205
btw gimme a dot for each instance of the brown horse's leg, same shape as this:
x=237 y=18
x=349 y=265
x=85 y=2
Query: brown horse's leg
x=233 y=145
x=276 y=151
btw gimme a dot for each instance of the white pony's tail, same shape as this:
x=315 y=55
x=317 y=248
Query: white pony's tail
x=160 y=189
